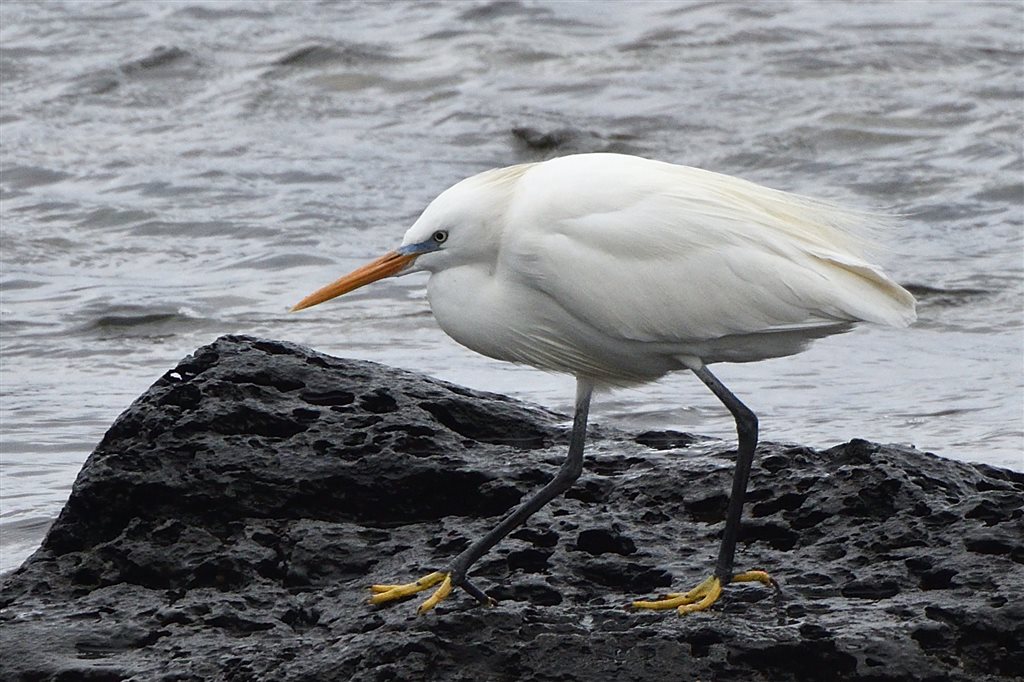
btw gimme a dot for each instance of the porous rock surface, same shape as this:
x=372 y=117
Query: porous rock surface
x=229 y=523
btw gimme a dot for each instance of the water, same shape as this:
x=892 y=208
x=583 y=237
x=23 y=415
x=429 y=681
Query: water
x=173 y=171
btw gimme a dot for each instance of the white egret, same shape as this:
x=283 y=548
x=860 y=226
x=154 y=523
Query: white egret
x=618 y=270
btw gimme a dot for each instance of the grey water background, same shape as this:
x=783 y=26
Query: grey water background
x=174 y=171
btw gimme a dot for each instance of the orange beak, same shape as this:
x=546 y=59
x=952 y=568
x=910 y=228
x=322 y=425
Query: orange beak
x=391 y=263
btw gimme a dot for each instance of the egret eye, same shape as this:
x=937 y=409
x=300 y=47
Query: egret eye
x=440 y=237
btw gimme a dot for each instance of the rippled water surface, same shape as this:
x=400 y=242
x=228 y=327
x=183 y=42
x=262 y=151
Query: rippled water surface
x=173 y=171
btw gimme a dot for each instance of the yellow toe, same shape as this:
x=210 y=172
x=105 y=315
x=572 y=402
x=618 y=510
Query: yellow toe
x=385 y=593
x=708 y=596
x=440 y=594
x=684 y=599
x=754 y=577
x=702 y=597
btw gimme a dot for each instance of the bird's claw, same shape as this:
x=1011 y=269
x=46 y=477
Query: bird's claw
x=385 y=593
x=704 y=595
x=697 y=599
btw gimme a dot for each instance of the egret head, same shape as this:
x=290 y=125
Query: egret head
x=461 y=226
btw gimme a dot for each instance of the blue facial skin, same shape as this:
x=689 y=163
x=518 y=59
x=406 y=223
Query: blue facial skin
x=433 y=244
x=419 y=248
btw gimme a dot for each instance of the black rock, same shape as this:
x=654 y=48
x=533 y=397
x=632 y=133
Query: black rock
x=229 y=523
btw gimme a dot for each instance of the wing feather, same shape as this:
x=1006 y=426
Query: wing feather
x=669 y=254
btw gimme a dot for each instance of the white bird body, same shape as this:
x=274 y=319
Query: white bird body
x=618 y=268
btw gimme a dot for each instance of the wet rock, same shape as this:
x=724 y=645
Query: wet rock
x=536 y=139
x=535 y=143
x=227 y=527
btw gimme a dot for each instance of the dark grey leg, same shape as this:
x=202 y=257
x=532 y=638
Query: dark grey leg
x=563 y=480
x=746 y=432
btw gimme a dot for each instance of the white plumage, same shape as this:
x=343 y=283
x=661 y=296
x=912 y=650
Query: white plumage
x=612 y=266
x=617 y=270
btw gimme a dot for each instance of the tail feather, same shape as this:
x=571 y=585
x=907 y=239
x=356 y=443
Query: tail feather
x=872 y=296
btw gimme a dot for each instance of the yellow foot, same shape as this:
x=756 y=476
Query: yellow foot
x=703 y=596
x=386 y=593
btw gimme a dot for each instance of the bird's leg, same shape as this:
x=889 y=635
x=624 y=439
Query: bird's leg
x=456 y=574
x=708 y=591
